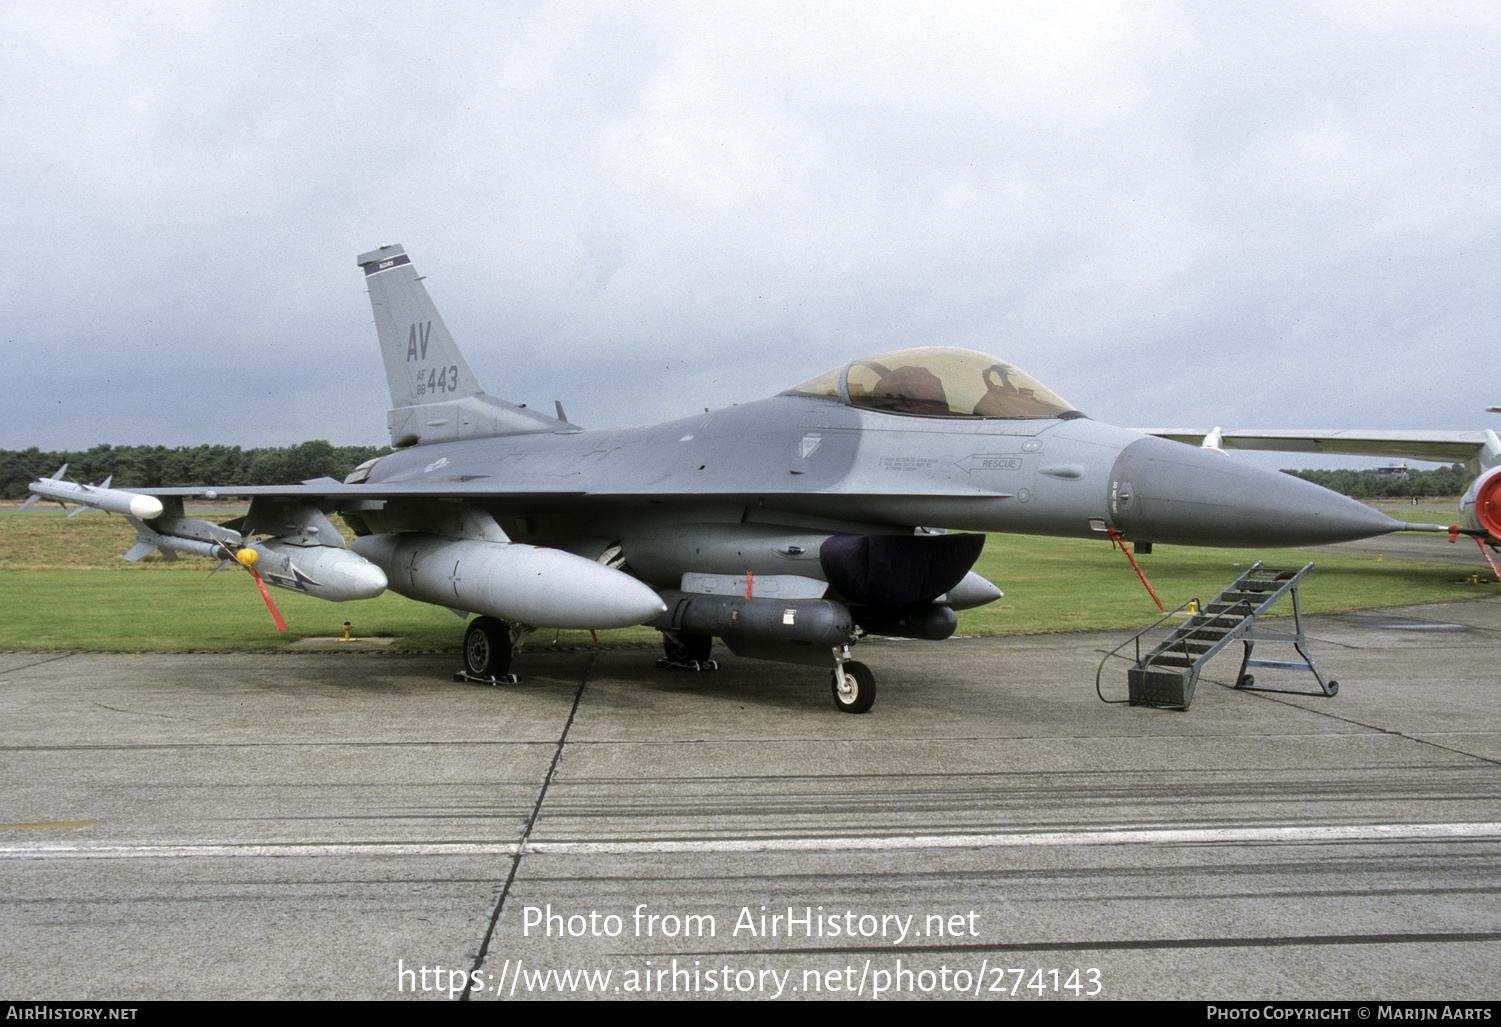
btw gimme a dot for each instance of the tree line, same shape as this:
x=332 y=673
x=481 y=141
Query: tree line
x=228 y=466
x=139 y=467
x=1445 y=481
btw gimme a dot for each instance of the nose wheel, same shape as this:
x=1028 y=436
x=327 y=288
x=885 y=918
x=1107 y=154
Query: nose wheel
x=854 y=686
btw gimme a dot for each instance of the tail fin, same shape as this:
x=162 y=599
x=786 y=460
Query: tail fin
x=435 y=397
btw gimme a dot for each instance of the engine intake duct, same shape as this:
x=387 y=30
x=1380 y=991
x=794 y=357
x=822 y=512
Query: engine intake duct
x=1481 y=506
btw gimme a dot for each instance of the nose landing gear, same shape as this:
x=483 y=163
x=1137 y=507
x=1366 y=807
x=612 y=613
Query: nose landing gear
x=854 y=683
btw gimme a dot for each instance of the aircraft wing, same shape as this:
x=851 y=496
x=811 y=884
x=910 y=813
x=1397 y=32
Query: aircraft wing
x=1437 y=446
x=327 y=488
x=488 y=487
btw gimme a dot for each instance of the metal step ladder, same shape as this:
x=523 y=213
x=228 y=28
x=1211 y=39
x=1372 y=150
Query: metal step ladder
x=1165 y=677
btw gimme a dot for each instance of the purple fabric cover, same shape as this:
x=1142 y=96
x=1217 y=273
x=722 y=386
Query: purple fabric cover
x=897 y=570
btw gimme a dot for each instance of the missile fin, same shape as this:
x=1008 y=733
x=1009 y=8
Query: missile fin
x=143 y=549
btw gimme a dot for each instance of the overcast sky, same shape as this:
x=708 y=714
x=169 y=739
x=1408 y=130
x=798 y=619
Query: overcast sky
x=1175 y=214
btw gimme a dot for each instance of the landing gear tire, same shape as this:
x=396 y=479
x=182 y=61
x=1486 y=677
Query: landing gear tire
x=859 y=690
x=687 y=647
x=487 y=648
x=687 y=652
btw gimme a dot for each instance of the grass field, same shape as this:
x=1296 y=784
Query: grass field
x=64 y=586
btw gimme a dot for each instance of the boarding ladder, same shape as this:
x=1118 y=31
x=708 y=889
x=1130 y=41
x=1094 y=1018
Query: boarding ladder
x=1165 y=677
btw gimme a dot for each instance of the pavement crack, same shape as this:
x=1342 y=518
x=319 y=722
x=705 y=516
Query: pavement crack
x=50 y=659
x=1381 y=730
x=130 y=713
x=526 y=832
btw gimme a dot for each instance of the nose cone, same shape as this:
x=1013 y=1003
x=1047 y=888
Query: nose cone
x=1162 y=491
x=145 y=508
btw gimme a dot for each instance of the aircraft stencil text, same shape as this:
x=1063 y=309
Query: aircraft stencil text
x=437 y=379
x=417 y=341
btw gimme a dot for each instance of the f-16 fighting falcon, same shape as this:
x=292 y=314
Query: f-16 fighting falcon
x=847 y=505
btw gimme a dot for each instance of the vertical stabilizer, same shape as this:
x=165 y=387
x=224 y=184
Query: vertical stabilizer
x=1490 y=453
x=435 y=397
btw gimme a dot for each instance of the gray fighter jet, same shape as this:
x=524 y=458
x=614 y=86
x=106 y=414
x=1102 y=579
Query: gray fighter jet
x=789 y=527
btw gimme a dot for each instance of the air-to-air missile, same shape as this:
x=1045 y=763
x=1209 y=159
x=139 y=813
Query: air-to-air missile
x=100 y=497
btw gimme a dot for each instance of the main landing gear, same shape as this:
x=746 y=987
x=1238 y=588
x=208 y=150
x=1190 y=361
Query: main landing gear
x=687 y=652
x=489 y=644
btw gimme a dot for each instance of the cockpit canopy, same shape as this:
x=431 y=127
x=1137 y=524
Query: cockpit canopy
x=938 y=381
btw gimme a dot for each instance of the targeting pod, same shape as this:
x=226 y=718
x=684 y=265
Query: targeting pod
x=324 y=572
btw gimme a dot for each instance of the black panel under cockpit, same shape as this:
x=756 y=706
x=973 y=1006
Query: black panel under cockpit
x=897 y=570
